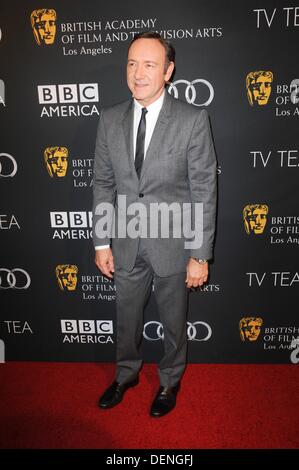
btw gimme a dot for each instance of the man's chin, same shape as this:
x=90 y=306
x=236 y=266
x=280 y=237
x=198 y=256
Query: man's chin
x=139 y=95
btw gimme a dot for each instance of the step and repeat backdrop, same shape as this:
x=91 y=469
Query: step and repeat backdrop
x=61 y=62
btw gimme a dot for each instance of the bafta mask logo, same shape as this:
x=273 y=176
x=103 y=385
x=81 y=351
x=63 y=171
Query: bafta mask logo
x=255 y=218
x=258 y=86
x=250 y=328
x=56 y=159
x=43 y=23
x=67 y=276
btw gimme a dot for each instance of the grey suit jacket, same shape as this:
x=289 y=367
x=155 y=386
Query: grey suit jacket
x=180 y=167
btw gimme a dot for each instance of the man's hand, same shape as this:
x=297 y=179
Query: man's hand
x=104 y=261
x=197 y=273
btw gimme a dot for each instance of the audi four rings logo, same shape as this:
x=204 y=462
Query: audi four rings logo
x=153 y=331
x=191 y=92
x=12 y=165
x=16 y=278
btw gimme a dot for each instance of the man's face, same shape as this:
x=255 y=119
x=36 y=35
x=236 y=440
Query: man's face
x=46 y=28
x=252 y=330
x=147 y=71
x=261 y=90
x=68 y=279
x=58 y=163
x=257 y=220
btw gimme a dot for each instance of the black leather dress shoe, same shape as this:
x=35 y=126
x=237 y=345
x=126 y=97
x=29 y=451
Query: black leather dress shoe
x=164 y=401
x=114 y=394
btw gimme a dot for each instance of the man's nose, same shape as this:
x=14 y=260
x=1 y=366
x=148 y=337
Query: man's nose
x=139 y=73
x=47 y=27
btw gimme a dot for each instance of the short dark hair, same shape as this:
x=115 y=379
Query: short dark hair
x=169 y=49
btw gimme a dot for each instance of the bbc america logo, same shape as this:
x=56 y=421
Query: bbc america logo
x=73 y=225
x=87 y=327
x=73 y=219
x=87 y=331
x=68 y=100
x=81 y=93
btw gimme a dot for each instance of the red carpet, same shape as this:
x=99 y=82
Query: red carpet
x=54 y=405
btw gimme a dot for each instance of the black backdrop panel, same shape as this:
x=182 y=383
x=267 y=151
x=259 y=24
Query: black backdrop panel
x=55 y=305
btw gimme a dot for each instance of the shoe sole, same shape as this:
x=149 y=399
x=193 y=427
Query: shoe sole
x=159 y=415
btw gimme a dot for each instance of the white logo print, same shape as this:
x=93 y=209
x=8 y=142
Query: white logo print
x=10 y=172
x=190 y=92
x=153 y=331
x=295 y=354
x=71 y=93
x=2 y=92
x=2 y=351
x=13 y=281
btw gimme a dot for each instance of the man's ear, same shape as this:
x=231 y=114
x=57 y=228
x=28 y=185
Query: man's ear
x=169 y=71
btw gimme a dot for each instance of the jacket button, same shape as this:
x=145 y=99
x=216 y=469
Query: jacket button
x=140 y=195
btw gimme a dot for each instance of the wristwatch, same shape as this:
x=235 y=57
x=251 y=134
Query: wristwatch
x=200 y=261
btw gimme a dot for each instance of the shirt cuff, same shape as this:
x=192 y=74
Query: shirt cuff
x=101 y=247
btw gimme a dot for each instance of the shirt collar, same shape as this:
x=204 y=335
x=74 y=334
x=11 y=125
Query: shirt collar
x=155 y=106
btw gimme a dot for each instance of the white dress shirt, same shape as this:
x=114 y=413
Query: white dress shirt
x=151 y=117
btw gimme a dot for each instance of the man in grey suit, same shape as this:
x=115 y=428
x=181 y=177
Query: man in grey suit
x=152 y=151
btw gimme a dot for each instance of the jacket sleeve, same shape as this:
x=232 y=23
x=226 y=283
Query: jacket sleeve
x=104 y=189
x=202 y=175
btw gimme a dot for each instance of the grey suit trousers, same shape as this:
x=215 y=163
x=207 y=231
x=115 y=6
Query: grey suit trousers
x=132 y=293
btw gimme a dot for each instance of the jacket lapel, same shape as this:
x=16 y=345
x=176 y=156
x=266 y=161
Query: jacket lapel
x=159 y=131
x=127 y=124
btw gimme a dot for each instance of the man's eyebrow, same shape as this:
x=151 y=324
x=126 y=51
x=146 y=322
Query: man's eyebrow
x=146 y=61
